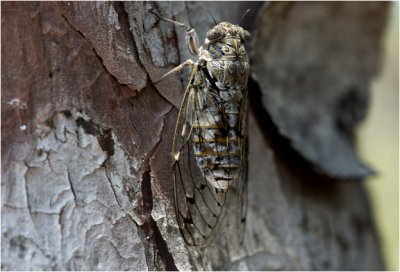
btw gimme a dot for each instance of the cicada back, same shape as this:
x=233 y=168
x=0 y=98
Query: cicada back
x=210 y=142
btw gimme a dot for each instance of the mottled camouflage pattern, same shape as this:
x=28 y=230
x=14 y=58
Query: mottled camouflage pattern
x=217 y=135
x=212 y=125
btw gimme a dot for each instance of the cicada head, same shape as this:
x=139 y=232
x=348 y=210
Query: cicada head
x=229 y=38
x=227 y=30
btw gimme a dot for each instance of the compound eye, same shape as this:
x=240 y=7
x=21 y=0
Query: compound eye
x=214 y=34
x=245 y=35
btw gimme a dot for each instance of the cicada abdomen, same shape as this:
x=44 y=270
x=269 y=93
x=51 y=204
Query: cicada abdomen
x=210 y=142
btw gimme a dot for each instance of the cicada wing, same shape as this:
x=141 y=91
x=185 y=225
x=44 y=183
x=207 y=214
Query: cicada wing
x=199 y=208
x=243 y=174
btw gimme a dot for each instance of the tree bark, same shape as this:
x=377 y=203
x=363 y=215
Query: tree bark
x=87 y=138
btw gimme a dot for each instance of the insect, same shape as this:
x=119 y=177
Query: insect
x=210 y=141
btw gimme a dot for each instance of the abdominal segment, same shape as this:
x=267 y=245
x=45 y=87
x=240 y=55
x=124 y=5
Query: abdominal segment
x=217 y=151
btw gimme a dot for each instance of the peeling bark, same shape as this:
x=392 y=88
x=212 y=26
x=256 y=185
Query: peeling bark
x=86 y=137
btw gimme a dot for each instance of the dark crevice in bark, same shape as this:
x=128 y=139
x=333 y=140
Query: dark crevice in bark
x=95 y=53
x=147 y=193
x=28 y=204
x=108 y=72
x=124 y=23
x=70 y=184
x=151 y=228
x=106 y=142
x=162 y=256
x=67 y=113
x=88 y=126
x=104 y=136
x=74 y=29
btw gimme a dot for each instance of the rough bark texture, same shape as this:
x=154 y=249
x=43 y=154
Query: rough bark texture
x=86 y=139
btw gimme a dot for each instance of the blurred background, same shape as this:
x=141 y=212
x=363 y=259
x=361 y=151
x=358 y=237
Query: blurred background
x=379 y=143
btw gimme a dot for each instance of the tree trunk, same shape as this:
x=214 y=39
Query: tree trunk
x=87 y=138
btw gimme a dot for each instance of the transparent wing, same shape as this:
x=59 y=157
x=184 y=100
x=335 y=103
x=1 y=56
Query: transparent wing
x=199 y=209
x=242 y=179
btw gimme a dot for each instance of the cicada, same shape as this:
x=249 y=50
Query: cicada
x=210 y=141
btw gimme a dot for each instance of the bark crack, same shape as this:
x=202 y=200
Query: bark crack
x=150 y=227
x=124 y=23
x=94 y=51
x=26 y=190
x=116 y=199
x=70 y=184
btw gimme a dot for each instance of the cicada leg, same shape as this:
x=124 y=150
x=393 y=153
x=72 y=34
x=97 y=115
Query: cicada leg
x=192 y=41
x=179 y=68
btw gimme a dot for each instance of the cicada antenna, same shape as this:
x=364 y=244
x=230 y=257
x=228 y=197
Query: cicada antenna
x=244 y=14
x=192 y=41
x=186 y=27
x=209 y=12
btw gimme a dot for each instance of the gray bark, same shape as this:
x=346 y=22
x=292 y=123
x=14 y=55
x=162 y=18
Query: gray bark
x=86 y=138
